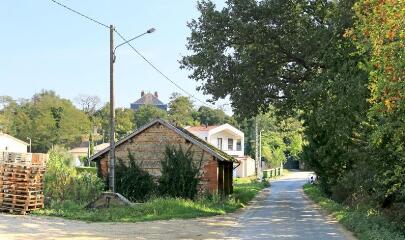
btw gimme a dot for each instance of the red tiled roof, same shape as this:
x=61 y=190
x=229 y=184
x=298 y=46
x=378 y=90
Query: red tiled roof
x=201 y=128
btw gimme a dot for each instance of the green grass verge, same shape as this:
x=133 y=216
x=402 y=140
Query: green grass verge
x=365 y=222
x=161 y=208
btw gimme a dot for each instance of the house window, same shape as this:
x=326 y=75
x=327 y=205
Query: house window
x=219 y=143
x=205 y=138
x=238 y=145
x=230 y=144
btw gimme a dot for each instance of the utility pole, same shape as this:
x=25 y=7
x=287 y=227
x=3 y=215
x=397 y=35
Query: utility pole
x=112 y=114
x=256 y=148
x=260 y=149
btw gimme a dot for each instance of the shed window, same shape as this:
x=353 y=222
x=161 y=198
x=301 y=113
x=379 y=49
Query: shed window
x=230 y=144
x=238 y=145
x=219 y=143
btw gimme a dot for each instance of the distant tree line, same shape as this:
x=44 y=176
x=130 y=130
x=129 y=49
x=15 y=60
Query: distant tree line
x=50 y=120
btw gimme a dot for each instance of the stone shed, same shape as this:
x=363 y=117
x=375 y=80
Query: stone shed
x=148 y=144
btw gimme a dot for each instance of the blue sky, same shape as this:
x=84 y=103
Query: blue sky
x=43 y=46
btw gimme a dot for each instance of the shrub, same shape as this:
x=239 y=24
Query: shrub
x=133 y=182
x=58 y=176
x=180 y=175
x=63 y=183
x=87 y=186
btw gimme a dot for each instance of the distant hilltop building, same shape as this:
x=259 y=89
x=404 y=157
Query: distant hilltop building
x=148 y=99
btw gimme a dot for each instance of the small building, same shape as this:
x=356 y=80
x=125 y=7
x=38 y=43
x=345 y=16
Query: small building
x=11 y=144
x=148 y=145
x=230 y=140
x=148 y=99
x=83 y=150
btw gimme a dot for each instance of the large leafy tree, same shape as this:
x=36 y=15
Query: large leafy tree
x=289 y=54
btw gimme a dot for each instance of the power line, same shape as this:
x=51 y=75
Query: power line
x=160 y=72
x=81 y=14
x=135 y=50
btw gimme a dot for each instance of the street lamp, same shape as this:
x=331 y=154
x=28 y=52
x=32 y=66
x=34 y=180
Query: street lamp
x=112 y=107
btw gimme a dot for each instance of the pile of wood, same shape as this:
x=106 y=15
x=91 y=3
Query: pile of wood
x=21 y=182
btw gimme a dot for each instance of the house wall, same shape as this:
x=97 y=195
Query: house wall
x=246 y=168
x=148 y=149
x=8 y=144
x=213 y=139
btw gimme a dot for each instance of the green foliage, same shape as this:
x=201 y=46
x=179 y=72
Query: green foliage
x=46 y=118
x=147 y=113
x=212 y=117
x=160 y=208
x=133 y=182
x=124 y=121
x=63 y=183
x=180 y=174
x=366 y=222
x=86 y=170
x=181 y=110
x=282 y=137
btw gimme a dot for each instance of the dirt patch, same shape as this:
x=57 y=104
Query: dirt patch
x=15 y=227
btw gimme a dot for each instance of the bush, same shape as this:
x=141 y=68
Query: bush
x=87 y=186
x=133 y=182
x=63 y=183
x=58 y=176
x=180 y=175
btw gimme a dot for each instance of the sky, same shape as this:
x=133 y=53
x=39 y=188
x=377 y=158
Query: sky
x=44 y=46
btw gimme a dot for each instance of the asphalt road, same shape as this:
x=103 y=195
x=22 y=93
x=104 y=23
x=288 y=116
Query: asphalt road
x=283 y=212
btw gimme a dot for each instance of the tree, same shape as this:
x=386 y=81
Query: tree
x=124 y=121
x=291 y=55
x=209 y=116
x=89 y=104
x=181 y=110
x=259 y=52
x=147 y=113
x=49 y=120
x=380 y=37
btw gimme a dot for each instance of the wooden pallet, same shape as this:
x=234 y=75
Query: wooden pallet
x=21 y=186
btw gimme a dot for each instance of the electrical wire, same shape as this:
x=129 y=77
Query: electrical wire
x=81 y=14
x=136 y=51
x=160 y=72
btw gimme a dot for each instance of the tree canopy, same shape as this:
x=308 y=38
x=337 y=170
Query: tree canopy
x=340 y=64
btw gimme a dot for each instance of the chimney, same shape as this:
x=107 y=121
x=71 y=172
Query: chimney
x=142 y=93
x=156 y=94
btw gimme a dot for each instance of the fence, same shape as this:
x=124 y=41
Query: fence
x=273 y=172
x=21 y=181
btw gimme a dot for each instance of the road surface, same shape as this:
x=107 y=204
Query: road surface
x=283 y=212
x=280 y=212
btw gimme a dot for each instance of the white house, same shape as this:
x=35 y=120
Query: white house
x=230 y=140
x=11 y=144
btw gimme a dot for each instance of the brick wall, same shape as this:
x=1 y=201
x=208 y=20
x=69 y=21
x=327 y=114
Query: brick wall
x=148 y=149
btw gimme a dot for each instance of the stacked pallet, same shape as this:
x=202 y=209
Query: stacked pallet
x=21 y=183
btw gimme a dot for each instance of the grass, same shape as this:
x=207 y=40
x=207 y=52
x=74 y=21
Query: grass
x=161 y=208
x=365 y=222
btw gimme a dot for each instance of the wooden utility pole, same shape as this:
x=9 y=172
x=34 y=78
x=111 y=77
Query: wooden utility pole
x=112 y=114
x=256 y=148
